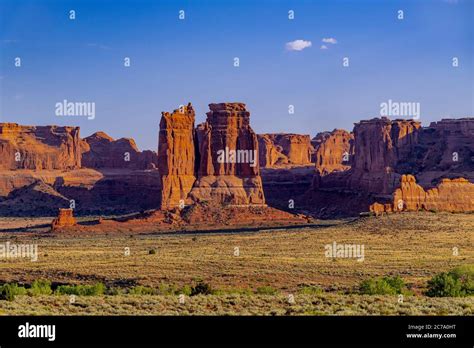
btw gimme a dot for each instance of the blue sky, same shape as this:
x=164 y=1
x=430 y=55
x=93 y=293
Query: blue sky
x=175 y=61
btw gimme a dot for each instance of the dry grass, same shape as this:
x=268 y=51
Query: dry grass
x=236 y=304
x=414 y=246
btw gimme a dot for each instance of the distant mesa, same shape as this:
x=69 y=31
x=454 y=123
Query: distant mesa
x=101 y=151
x=283 y=149
x=333 y=151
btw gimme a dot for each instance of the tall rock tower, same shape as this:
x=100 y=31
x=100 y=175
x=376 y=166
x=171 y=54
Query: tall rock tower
x=176 y=156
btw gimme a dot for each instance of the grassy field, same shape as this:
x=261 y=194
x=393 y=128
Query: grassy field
x=412 y=246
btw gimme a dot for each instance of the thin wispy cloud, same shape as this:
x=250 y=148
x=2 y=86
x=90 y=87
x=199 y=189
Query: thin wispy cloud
x=324 y=47
x=329 y=40
x=298 y=45
x=7 y=41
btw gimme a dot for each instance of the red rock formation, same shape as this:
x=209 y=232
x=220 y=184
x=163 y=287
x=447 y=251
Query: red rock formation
x=333 y=151
x=444 y=149
x=455 y=195
x=41 y=147
x=380 y=146
x=228 y=169
x=279 y=149
x=379 y=208
x=380 y=143
x=176 y=155
x=65 y=219
x=101 y=151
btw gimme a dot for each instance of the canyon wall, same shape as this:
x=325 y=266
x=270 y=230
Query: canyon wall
x=38 y=148
x=281 y=149
x=333 y=151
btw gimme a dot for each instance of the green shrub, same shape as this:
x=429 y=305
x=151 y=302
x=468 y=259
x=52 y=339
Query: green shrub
x=266 y=290
x=201 y=288
x=9 y=291
x=310 y=290
x=455 y=283
x=382 y=286
x=40 y=287
x=81 y=290
x=142 y=290
x=6 y=293
x=186 y=290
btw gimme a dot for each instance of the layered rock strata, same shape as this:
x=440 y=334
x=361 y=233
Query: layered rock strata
x=281 y=149
x=101 y=151
x=456 y=195
x=228 y=168
x=177 y=156
x=65 y=219
x=39 y=147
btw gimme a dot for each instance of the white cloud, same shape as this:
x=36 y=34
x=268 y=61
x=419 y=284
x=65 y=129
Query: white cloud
x=324 y=47
x=329 y=40
x=297 y=45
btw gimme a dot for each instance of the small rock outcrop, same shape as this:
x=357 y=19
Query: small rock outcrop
x=39 y=147
x=177 y=156
x=65 y=219
x=281 y=149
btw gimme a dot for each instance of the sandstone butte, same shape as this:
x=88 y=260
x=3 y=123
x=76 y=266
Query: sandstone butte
x=380 y=145
x=65 y=219
x=235 y=180
x=39 y=148
x=282 y=149
x=177 y=156
x=333 y=151
x=190 y=163
x=451 y=195
x=101 y=151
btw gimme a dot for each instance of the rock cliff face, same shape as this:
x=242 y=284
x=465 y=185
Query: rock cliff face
x=333 y=151
x=281 y=149
x=177 y=156
x=65 y=219
x=101 y=151
x=42 y=147
x=445 y=149
x=380 y=147
x=455 y=195
x=228 y=170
